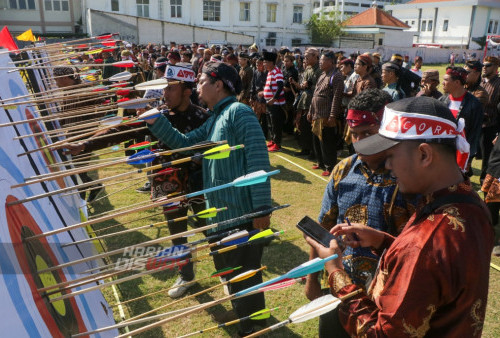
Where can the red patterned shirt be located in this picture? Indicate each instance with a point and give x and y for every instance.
(433, 278)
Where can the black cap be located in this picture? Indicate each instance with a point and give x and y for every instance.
(270, 56)
(474, 64)
(416, 105)
(225, 73)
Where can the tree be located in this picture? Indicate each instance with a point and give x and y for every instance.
(325, 27)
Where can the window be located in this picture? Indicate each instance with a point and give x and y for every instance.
(57, 5)
(429, 26)
(365, 5)
(176, 8)
(115, 5)
(142, 8)
(244, 11)
(492, 27)
(271, 13)
(380, 42)
(423, 26)
(445, 25)
(211, 10)
(412, 22)
(22, 4)
(271, 39)
(296, 42)
(297, 14)
(316, 4)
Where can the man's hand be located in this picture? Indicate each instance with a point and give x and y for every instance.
(313, 288)
(72, 148)
(359, 235)
(323, 252)
(334, 122)
(271, 101)
(262, 222)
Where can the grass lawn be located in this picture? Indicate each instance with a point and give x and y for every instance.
(303, 189)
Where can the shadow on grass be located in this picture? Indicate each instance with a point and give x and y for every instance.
(280, 257)
(288, 175)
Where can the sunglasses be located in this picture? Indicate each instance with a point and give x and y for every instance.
(487, 65)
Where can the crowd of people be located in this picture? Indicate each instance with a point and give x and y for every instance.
(418, 239)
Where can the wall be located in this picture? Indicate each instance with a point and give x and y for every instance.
(143, 30)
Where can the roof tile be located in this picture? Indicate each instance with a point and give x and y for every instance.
(375, 17)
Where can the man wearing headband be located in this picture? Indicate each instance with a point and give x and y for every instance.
(432, 279)
(361, 189)
(235, 123)
(429, 84)
(463, 104)
(491, 122)
(185, 116)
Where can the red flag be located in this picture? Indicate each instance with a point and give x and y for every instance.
(6, 39)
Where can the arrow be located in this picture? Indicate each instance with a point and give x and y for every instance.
(156, 265)
(118, 64)
(183, 312)
(306, 268)
(259, 315)
(187, 312)
(152, 242)
(314, 309)
(218, 273)
(44, 177)
(207, 213)
(220, 152)
(241, 277)
(157, 84)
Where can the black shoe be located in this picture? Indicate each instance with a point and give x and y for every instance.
(94, 192)
(145, 189)
(244, 334)
(302, 153)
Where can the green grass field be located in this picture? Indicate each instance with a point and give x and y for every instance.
(303, 189)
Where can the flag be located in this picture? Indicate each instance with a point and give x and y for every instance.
(6, 39)
(26, 36)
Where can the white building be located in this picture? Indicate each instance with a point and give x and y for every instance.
(43, 17)
(350, 7)
(449, 23)
(273, 23)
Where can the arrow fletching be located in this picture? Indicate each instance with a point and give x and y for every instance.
(123, 76)
(153, 84)
(141, 145)
(140, 158)
(150, 114)
(220, 152)
(261, 234)
(124, 64)
(253, 178)
(174, 252)
(209, 213)
(314, 309)
(262, 314)
(245, 275)
(111, 121)
(225, 271)
(134, 103)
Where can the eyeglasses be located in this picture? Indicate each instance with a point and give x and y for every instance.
(487, 65)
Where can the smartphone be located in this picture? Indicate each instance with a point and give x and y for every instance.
(312, 229)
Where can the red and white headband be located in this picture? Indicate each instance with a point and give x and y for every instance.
(403, 126)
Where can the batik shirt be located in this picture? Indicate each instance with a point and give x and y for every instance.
(364, 197)
(433, 278)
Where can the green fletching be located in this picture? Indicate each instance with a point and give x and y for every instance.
(224, 271)
(143, 146)
(208, 213)
(262, 314)
(218, 152)
(261, 234)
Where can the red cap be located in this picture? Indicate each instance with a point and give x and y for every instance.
(357, 118)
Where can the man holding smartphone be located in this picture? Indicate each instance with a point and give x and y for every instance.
(361, 189)
(433, 278)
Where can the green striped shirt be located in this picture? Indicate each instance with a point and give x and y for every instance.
(236, 123)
